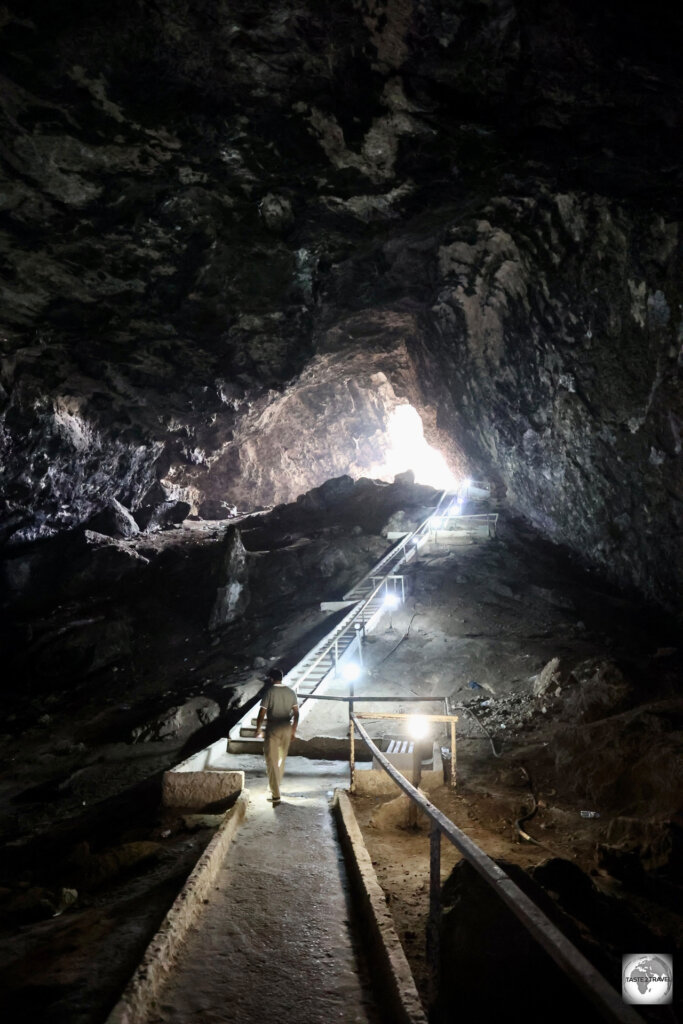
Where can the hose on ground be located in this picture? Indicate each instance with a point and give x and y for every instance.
(398, 644)
(463, 707)
(527, 817)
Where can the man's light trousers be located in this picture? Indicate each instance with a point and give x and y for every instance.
(276, 745)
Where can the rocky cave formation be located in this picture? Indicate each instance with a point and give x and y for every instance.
(239, 242)
(232, 235)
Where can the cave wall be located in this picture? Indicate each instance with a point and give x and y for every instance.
(233, 239)
(558, 317)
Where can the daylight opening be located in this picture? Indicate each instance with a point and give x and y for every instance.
(408, 449)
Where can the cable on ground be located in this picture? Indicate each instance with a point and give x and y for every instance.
(397, 645)
(463, 707)
(527, 817)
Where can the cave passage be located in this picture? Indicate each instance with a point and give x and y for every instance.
(257, 262)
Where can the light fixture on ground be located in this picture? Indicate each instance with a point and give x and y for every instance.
(360, 636)
(390, 603)
(351, 671)
(418, 727)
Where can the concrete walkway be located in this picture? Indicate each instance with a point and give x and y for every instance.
(274, 942)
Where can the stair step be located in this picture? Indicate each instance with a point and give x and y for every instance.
(250, 746)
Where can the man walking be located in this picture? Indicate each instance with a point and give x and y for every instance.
(280, 704)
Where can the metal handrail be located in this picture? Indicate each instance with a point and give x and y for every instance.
(399, 550)
(479, 485)
(329, 641)
(333, 638)
(549, 937)
(394, 556)
(474, 515)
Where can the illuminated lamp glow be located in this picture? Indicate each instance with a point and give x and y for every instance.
(391, 601)
(351, 671)
(418, 727)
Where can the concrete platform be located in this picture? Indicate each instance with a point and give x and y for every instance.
(203, 782)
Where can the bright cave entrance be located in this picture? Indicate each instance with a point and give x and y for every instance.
(408, 449)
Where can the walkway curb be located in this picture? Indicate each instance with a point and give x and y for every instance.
(390, 960)
(144, 987)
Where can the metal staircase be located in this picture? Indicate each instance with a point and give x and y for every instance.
(339, 653)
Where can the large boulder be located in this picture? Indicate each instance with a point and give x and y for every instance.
(547, 677)
(405, 522)
(162, 516)
(328, 494)
(332, 561)
(178, 723)
(114, 520)
(232, 595)
(216, 508)
(596, 688)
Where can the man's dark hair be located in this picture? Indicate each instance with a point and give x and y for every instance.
(275, 674)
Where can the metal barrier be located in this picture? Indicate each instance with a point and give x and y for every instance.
(401, 552)
(482, 522)
(346, 638)
(568, 958)
(367, 592)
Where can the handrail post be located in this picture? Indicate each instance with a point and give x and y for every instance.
(417, 776)
(434, 919)
(352, 751)
(452, 755)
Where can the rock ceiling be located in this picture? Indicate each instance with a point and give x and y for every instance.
(235, 236)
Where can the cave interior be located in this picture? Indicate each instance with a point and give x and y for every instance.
(273, 277)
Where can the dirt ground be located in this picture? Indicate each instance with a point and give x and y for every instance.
(490, 798)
